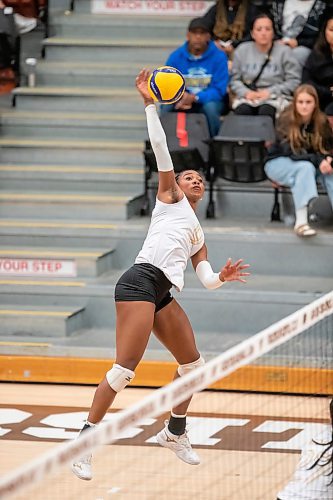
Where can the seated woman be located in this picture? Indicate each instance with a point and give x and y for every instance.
(318, 69)
(302, 154)
(264, 73)
(229, 23)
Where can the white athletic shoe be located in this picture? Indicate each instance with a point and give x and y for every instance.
(82, 468)
(24, 24)
(178, 444)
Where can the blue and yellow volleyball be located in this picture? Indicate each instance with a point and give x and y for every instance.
(166, 85)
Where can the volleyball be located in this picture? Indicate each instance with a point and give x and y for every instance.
(166, 85)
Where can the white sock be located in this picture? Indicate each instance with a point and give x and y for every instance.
(90, 423)
(177, 416)
(301, 216)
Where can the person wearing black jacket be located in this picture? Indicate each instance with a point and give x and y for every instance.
(302, 153)
(318, 69)
(8, 36)
(229, 22)
(297, 23)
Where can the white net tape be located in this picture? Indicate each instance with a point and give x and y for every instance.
(171, 395)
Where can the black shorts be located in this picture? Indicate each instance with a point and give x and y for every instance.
(144, 282)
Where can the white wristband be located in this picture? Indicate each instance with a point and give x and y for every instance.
(158, 140)
(206, 275)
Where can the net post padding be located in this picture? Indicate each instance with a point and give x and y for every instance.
(171, 395)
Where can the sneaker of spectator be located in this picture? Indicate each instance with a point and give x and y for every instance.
(27, 13)
(24, 24)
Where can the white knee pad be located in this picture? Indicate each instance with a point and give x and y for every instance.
(118, 377)
(183, 369)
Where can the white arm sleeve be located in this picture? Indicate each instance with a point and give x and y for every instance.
(158, 140)
(206, 275)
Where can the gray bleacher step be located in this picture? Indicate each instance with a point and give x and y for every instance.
(79, 99)
(238, 310)
(58, 233)
(272, 249)
(67, 205)
(80, 7)
(117, 26)
(210, 344)
(271, 282)
(54, 262)
(36, 320)
(153, 51)
(224, 310)
(71, 125)
(69, 152)
(71, 178)
(87, 73)
(234, 200)
(79, 344)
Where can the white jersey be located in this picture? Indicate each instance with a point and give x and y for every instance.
(312, 484)
(173, 237)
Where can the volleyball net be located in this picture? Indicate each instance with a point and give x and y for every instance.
(309, 328)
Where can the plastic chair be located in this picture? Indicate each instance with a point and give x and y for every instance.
(240, 161)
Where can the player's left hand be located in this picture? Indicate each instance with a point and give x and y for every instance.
(234, 272)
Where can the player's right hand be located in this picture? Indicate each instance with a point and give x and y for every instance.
(141, 83)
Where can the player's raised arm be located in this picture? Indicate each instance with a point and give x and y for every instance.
(168, 190)
(229, 272)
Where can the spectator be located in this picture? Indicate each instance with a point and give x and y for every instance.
(205, 69)
(297, 24)
(302, 154)
(27, 13)
(318, 69)
(229, 23)
(8, 45)
(7, 36)
(264, 73)
(313, 478)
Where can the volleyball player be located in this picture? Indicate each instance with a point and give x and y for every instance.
(313, 478)
(142, 294)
